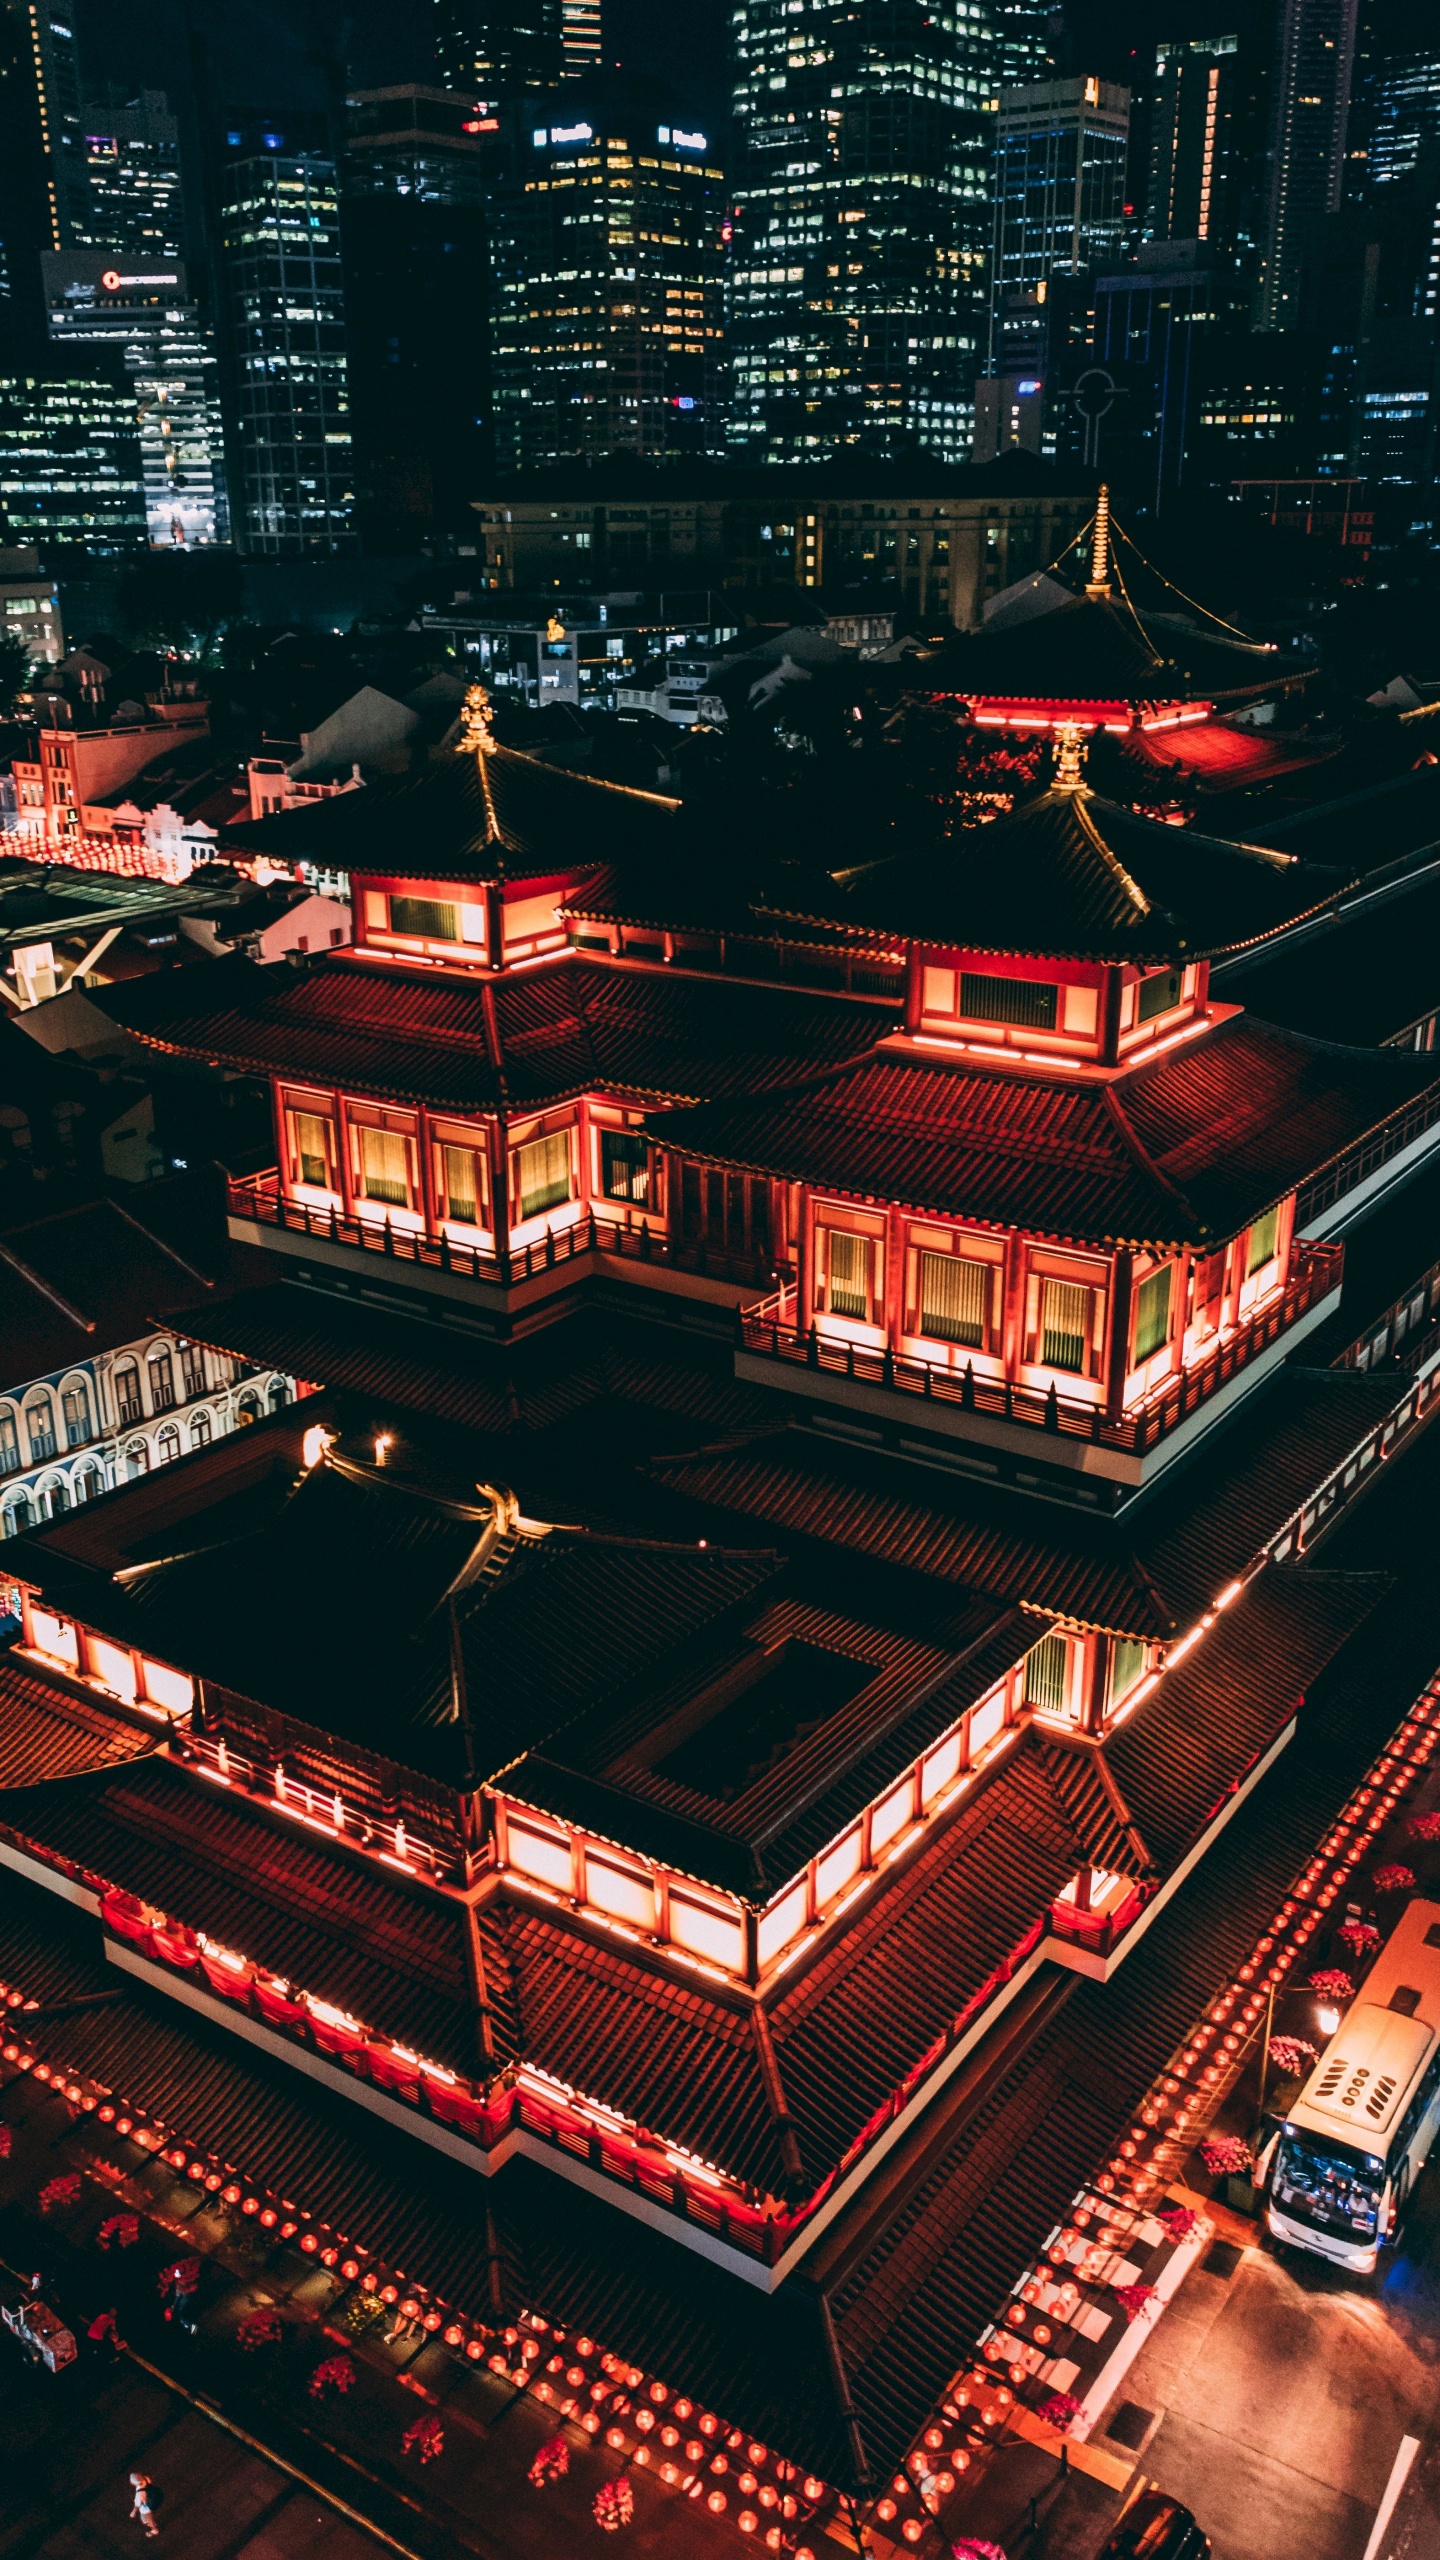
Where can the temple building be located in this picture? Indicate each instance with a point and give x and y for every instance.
(824, 1385)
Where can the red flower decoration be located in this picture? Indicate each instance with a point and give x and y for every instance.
(121, 2231)
(1332, 1984)
(1394, 1879)
(1226, 2156)
(337, 2373)
(5, 2141)
(1132, 2298)
(1291, 2055)
(1424, 1826)
(59, 2193)
(262, 2328)
(1060, 2410)
(1359, 1938)
(550, 2463)
(614, 2505)
(1178, 2219)
(426, 2437)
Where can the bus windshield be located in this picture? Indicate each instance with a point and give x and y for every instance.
(1327, 2185)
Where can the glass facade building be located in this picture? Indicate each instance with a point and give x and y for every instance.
(291, 478)
(133, 200)
(495, 49)
(70, 457)
(143, 311)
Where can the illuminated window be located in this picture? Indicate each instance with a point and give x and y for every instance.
(312, 1149)
(427, 918)
(385, 1167)
(1152, 1313)
(1023, 1001)
(9, 1444)
(127, 1392)
(624, 1165)
(1158, 994)
(849, 1271)
(200, 1430)
(1064, 1324)
(1263, 1238)
(954, 1299)
(40, 1425)
(77, 1417)
(1047, 1675)
(162, 1382)
(544, 1173)
(462, 1185)
(1127, 1665)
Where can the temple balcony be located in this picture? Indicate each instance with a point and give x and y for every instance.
(579, 1245)
(1051, 1426)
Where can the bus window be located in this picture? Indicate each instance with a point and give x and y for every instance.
(1328, 2187)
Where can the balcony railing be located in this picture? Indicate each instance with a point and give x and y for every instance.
(258, 1196)
(766, 1331)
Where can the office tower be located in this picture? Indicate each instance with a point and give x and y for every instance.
(70, 470)
(417, 302)
(1401, 114)
(1192, 170)
(861, 226)
(132, 167)
(609, 274)
(1059, 208)
(582, 39)
(495, 49)
(1309, 104)
(42, 170)
(282, 285)
(143, 311)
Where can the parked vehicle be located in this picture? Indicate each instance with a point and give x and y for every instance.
(41, 2332)
(1157, 2527)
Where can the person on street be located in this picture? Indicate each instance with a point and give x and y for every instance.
(104, 2330)
(140, 2483)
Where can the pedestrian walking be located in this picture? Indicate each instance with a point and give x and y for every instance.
(104, 2330)
(140, 2483)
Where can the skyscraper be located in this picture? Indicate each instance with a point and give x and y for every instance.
(1401, 111)
(495, 49)
(1192, 174)
(291, 480)
(142, 310)
(582, 38)
(132, 200)
(1059, 205)
(70, 468)
(861, 223)
(415, 236)
(42, 169)
(609, 281)
(1309, 105)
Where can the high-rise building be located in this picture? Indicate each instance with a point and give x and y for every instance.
(582, 39)
(417, 269)
(1401, 114)
(861, 225)
(132, 167)
(291, 478)
(1309, 106)
(1059, 210)
(70, 470)
(42, 167)
(143, 310)
(495, 49)
(609, 284)
(1192, 171)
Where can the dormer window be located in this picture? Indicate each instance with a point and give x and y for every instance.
(425, 918)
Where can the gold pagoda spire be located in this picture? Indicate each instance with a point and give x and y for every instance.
(1069, 773)
(1099, 581)
(476, 733)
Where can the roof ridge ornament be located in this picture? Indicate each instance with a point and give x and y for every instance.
(476, 732)
(1099, 579)
(1069, 773)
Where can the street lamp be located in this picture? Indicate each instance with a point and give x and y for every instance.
(1327, 2020)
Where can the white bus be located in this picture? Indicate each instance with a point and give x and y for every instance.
(1338, 2172)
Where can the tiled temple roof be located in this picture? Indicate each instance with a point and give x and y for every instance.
(1099, 649)
(1188, 1149)
(500, 816)
(571, 1026)
(46, 1733)
(1367, 977)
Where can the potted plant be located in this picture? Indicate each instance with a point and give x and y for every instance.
(1227, 2157)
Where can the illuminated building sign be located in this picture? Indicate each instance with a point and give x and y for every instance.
(680, 141)
(114, 282)
(563, 133)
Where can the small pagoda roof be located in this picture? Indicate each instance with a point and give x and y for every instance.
(1186, 1150)
(572, 1025)
(46, 1733)
(1071, 875)
(1097, 649)
(481, 815)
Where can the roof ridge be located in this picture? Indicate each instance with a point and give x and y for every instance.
(1078, 800)
(1144, 1158)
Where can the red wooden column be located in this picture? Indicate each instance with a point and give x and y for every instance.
(1118, 1357)
(1099, 1649)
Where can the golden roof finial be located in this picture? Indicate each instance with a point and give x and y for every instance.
(1100, 546)
(1069, 773)
(476, 733)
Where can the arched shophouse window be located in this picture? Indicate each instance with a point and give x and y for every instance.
(200, 1430)
(167, 1445)
(76, 1403)
(127, 1392)
(53, 1499)
(9, 1442)
(247, 1409)
(40, 1425)
(279, 1395)
(162, 1380)
(137, 1460)
(16, 1515)
(86, 1482)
